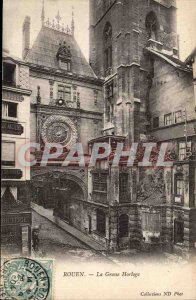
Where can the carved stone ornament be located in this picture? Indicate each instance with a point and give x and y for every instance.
(59, 129)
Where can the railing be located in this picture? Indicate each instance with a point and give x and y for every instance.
(58, 27)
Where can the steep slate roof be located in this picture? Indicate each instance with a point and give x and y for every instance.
(177, 63)
(45, 47)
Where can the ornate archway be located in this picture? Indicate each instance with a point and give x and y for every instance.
(47, 184)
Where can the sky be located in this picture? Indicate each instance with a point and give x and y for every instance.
(14, 12)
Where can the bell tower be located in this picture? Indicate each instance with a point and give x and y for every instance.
(121, 32)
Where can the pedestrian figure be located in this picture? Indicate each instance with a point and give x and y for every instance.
(35, 239)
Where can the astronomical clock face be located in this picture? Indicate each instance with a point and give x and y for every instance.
(59, 129)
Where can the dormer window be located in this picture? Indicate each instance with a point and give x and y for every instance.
(9, 74)
(64, 57)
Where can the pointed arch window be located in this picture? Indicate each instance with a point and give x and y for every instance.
(107, 41)
(152, 26)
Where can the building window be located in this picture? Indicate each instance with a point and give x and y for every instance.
(152, 26)
(107, 48)
(9, 71)
(179, 185)
(168, 119)
(100, 182)
(178, 231)
(9, 109)
(8, 153)
(178, 116)
(123, 187)
(64, 92)
(184, 149)
(155, 122)
(179, 188)
(123, 225)
(101, 222)
(108, 58)
(109, 102)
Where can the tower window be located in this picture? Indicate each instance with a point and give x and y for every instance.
(109, 102)
(152, 26)
(107, 41)
(123, 187)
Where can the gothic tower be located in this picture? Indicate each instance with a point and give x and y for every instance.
(121, 34)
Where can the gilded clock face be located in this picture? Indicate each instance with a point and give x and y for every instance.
(59, 129)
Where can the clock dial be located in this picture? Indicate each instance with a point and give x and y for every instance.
(59, 129)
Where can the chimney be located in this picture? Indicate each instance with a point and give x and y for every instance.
(26, 37)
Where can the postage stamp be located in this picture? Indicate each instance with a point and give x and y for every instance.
(25, 278)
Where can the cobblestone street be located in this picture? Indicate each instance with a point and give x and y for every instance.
(56, 243)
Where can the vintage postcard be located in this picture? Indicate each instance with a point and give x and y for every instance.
(98, 189)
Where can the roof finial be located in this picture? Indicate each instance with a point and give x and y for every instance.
(43, 13)
(72, 22)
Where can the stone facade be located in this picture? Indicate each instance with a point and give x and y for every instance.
(149, 95)
(134, 89)
(15, 193)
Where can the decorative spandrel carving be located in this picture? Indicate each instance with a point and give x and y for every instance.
(59, 129)
(152, 188)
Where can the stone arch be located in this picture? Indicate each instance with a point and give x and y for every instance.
(41, 178)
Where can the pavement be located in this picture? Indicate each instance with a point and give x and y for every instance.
(56, 243)
(83, 238)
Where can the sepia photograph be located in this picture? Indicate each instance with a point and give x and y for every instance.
(98, 143)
